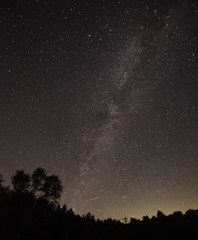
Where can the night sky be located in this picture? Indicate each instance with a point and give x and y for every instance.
(105, 95)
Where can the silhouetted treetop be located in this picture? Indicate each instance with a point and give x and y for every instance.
(1, 179)
(30, 210)
(38, 180)
(160, 214)
(21, 181)
(39, 184)
(52, 188)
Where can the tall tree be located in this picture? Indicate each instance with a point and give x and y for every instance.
(1, 183)
(1, 179)
(38, 179)
(52, 188)
(21, 181)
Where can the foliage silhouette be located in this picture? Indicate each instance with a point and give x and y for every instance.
(38, 179)
(21, 181)
(52, 188)
(31, 211)
(1, 180)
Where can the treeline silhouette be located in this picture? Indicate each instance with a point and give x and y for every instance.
(30, 210)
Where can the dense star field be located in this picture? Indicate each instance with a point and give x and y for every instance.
(105, 95)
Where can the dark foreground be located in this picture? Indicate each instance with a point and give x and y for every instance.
(30, 211)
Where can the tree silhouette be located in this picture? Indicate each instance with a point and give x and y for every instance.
(21, 181)
(125, 220)
(38, 179)
(2, 188)
(31, 211)
(1, 181)
(160, 214)
(52, 188)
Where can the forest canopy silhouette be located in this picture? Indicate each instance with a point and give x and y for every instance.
(30, 209)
